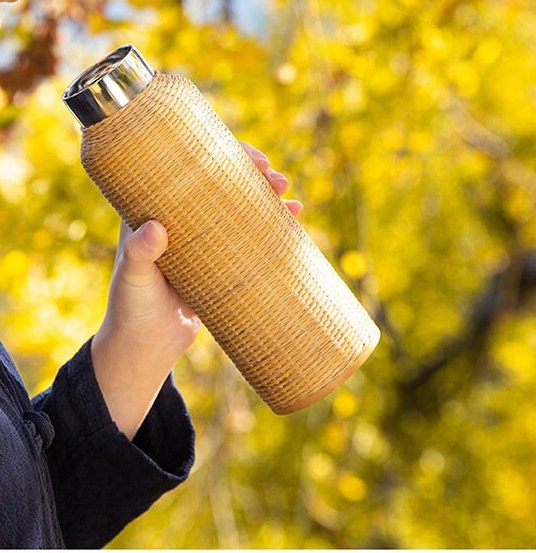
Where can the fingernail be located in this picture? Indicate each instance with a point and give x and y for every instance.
(150, 235)
(146, 233)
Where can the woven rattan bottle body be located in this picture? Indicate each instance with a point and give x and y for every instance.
(255, 278)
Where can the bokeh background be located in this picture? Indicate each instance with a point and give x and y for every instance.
(407, 128)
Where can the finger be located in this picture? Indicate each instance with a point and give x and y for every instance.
(294, 206)
(260, 159)
(146, 244)
(277, 180)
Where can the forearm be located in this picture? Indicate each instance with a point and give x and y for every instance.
(129, 378)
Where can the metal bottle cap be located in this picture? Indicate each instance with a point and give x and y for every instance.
(108, 85)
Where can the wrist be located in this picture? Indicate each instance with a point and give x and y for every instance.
(128, 380)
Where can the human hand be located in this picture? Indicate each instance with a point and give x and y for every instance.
(278, 181)
(148, 326)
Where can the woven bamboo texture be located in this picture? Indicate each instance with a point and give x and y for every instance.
(255, 278)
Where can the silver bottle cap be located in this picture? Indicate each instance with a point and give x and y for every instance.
(108, 85)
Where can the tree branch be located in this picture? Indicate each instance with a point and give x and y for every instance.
(507, 292)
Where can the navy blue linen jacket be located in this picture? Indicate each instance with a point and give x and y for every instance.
(68, 476)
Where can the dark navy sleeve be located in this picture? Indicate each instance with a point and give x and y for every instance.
(101, 479)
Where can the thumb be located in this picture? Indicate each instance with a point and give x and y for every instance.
(147, 243)
(141, 249)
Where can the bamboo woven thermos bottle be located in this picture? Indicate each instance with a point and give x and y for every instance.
(157, 150)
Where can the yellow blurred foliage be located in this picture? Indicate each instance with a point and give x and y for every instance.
(407, 130)
(354, 263)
